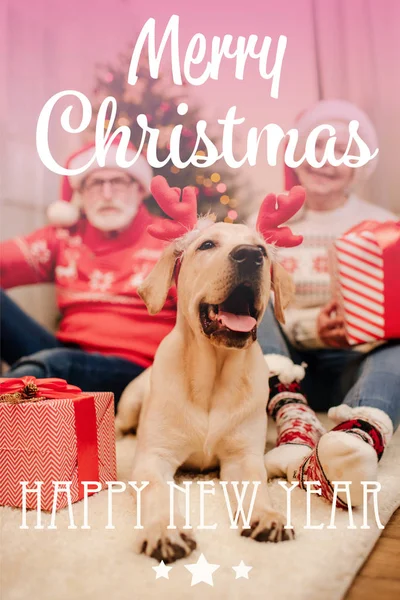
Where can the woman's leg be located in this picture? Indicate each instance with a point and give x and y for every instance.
(298, 428)
(378, 383)
(365, 421)
(92, 372)
(20, 334)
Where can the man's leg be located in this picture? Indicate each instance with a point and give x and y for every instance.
(92, 372)
(20, 335)
(298, 428)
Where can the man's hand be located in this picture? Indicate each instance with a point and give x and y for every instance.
(330, 327)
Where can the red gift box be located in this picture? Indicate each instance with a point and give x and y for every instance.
(367, 265)
(51, 431)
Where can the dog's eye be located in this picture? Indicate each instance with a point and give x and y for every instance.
(207, 245)
(263, 250)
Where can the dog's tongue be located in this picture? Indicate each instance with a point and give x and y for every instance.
(236, 322)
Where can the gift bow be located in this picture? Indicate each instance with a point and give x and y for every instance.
(15, 390)
(387, 233)
(29, 388)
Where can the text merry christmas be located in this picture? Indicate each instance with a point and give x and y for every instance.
(266, 142)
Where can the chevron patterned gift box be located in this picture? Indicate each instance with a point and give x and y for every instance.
(367, 267)
(51, 431)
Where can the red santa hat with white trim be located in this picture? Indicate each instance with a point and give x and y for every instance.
(334, 111)
(66, 211)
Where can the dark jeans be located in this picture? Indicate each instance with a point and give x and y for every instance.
(341, 376)
(31, 350)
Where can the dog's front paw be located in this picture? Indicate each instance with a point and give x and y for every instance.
(165, 544)
(268, 527)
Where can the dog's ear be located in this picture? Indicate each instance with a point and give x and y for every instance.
(154, 289)
(283, 288)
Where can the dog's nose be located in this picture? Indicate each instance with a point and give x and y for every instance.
(247, 256)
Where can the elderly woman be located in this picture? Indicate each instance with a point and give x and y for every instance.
(365, 380)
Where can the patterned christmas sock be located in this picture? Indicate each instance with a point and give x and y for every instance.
(349, 452)
(298, 427)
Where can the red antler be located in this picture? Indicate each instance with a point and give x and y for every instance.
(184, 214)
(273, 212)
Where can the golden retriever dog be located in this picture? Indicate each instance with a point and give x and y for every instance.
(204, 399)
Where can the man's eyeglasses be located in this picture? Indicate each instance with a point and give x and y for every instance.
(117, 184)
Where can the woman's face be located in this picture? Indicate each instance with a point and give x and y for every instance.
(327, 180)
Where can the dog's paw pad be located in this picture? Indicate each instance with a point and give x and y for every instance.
(157, 552)
(275, 532)
(248, 532)
(189, 541)
(170, 550)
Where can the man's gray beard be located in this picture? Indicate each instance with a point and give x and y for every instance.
(112, 223)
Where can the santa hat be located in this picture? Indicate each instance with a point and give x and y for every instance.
(332, 111)
(66, 211)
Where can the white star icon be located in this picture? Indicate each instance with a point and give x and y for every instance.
(162, 570)
(202, 571)
(242, 570)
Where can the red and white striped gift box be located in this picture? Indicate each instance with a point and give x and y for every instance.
(367, 264)
(67, 438)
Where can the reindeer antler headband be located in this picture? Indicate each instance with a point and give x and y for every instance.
(184, 214)
(273, 212)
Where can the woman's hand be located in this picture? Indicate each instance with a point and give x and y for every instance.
(330, 327)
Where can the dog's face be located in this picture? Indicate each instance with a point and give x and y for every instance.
(224, 283)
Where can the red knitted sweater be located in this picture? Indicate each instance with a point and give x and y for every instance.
(96, 277)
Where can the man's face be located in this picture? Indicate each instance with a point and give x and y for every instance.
(110, 199)
(327, 180)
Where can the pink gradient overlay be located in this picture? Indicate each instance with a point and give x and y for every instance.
(348, 51)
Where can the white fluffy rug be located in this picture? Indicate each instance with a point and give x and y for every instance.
(65, 564)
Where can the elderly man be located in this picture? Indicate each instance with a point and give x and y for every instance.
(97, 252)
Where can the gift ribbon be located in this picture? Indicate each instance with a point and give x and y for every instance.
(29, 389)
(387, 235)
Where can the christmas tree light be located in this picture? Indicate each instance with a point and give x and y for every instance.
(158, 99)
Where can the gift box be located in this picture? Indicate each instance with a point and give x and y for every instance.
(51, 431)
(367, 282)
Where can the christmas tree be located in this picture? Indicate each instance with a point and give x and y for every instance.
(217, 188)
